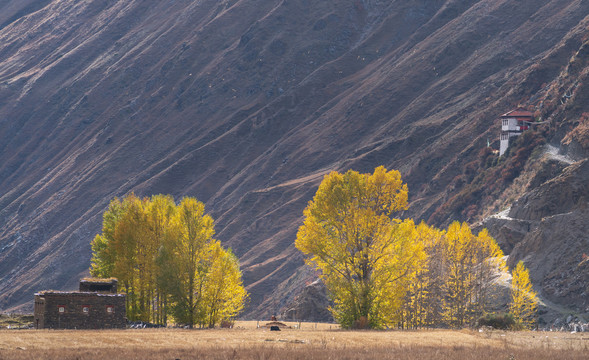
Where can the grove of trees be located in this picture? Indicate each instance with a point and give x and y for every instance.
(452, 286)
(167, 261)
(382, 271)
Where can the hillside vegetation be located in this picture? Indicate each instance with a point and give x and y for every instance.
(246, 105)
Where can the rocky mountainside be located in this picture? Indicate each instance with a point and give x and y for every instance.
(547, 228)
(310, 305)
(246, 104)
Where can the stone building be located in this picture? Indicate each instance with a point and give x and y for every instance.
(95, 306)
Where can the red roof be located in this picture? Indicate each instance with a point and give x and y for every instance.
(518, 113)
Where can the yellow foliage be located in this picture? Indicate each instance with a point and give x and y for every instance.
(471, 260)
(524, 300)
(224, 296)
(167, 261)
(382, 271)
(421, 307)
(367, 258)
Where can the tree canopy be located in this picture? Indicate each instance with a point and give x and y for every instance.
(167, 261)
(366, 256)
(382, 271)
(524, 300)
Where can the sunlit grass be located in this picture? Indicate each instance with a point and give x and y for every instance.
(312, 341)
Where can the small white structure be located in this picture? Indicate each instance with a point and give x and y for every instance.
(514, 123)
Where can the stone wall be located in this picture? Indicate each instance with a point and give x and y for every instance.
(79, 310)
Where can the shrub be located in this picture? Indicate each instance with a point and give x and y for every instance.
(227, 324)
(497, 321)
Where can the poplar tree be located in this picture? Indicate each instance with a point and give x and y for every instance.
(224, 296)
(366, 255)
(422, 306)
(524, 300)
(186, 260)
(471, 262)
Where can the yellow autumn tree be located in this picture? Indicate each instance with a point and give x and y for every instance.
(422, 306)
(186, 260)
(471, 262)
(489, 262)
(160, 211)
(367, 256)
(224, 296)
(459, 262)
(524, 300)
(115, 251)
(103, 251)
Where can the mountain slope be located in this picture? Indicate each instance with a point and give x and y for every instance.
(246, 104)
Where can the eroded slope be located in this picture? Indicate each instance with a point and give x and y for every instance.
(246, 105)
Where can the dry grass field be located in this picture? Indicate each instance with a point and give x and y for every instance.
(246, 341)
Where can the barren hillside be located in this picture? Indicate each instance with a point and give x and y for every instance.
(246, 104)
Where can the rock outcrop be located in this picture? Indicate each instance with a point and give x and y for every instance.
(567, 192)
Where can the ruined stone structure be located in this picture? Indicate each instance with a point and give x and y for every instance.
(95, 306)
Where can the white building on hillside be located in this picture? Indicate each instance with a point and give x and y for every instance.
(513, 124)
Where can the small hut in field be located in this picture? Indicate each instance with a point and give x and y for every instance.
(95, 306)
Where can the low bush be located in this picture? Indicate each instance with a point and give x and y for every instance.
(497, 321)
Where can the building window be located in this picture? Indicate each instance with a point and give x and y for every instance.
(110, 309)
(61, 309)
(505, 122)
(86, 309)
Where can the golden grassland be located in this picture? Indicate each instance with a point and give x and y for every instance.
(311, 341)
